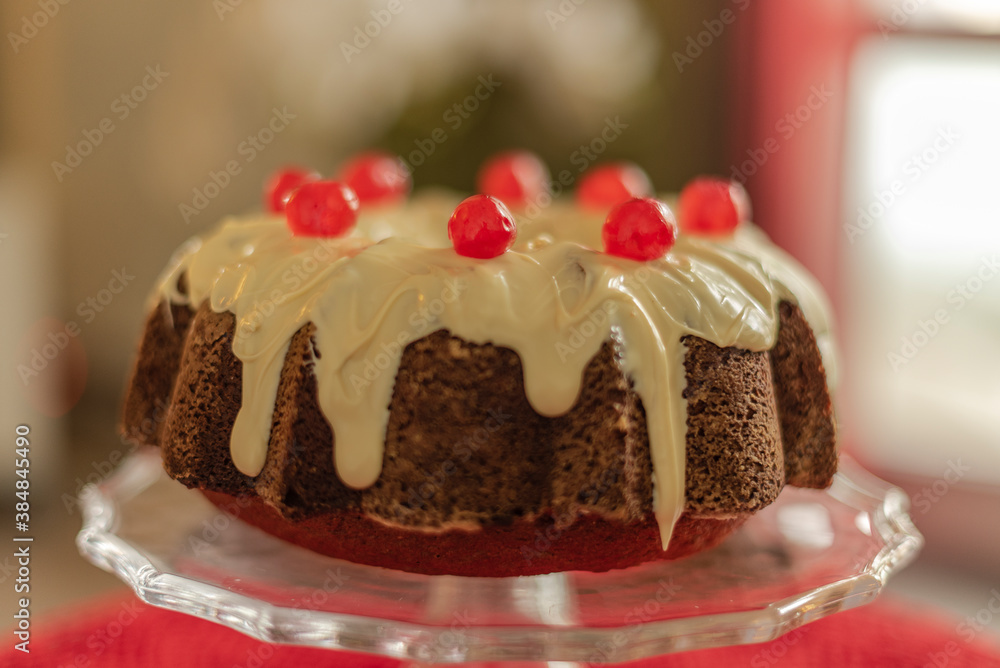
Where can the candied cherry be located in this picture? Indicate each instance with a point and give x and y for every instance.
(640, 229)
(482, 227)
(282, 184)
(322, 209)
(710, 205)
(608, 185)
(517, 178)
(376, 177)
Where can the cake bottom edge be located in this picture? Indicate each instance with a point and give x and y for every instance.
(525, 547)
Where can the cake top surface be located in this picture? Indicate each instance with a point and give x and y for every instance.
(555, 297)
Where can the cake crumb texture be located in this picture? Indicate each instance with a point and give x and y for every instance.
(464, 446)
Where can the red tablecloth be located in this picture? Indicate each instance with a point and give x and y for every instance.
(121, 631)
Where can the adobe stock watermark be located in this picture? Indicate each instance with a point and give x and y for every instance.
(592, 325)
(595, 321)
(102, 469)
(34, 22)
(121, 108)
(563, 11)
(224, 7)
(462, 450)
(454, 641)
(334, 582)
(212, 528)
(259, 656)
(777, 649)
(8, 568)
(696, 45)
(422, 321)
(587, 154)
(100, 641)
(925, 499)
(325, 252)
(968, 629)
(785, 129)
(364, 34)
(589, 496)
(248, 150)
(606, 651)
(901, 14)
(912, 171)
(454, 117)
(958, 298)
(582, 158)
(41, 356)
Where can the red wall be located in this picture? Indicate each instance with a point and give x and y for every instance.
(788, 54)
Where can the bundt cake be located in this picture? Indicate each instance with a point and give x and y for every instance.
(444, 387)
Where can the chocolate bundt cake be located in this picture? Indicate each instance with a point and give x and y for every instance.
(384, 395)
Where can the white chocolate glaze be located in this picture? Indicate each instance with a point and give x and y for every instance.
(554, 299)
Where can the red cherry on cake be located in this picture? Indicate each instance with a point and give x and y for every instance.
(608, 185)
(282, 184)
(712, 205)
(640, 229)
(517, 178)
(322, 209)
(482, 227)
(376, 177)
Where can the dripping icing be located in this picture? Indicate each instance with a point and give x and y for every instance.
(395, 280)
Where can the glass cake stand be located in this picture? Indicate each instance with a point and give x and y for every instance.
(807, 556)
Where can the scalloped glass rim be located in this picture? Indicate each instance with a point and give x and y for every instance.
(809, 555)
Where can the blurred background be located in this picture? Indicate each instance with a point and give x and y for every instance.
(865, 131)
